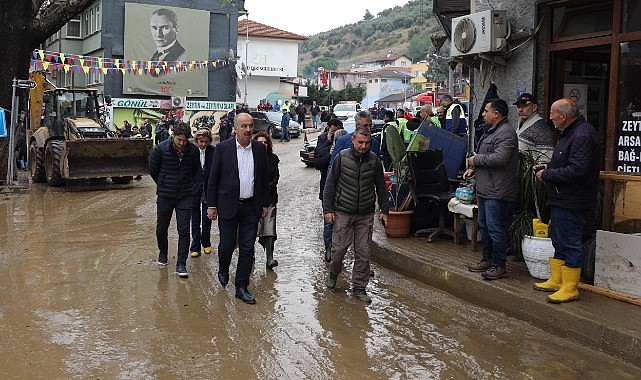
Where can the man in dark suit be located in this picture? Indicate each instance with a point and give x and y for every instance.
(163, 24)
(238, 196)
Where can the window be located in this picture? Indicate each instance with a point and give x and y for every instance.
(376, 80)
(631, 16)
(98, 19)
(86, 25)
(73, 27)
(94, 78)
(629, 108)
(92, 21)
(589, 17)
(383, 80)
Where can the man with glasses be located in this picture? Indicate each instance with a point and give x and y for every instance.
(362, 119)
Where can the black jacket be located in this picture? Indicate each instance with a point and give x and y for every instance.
(572, 176)
(274, 175)
(174, 176)
(201, 179)
(321, 159)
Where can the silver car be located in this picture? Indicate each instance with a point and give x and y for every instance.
(269, 122)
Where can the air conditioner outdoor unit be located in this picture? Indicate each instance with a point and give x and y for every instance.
(178, 101)
(482, 32)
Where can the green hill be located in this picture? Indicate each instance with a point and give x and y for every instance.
(402, 30)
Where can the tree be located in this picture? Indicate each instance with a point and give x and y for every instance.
(24, 24)
(328, 62)
(368, 15)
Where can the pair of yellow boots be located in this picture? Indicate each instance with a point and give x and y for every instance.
(563, 281)
(206, 249)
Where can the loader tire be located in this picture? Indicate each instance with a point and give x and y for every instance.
(122, 180)
(37, 163)
(53, 153)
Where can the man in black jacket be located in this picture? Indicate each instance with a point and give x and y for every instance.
(322, 155)
(172, 165)
(572, 181)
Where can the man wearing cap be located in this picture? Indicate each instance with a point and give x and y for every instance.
(455, 121)
(533, 132)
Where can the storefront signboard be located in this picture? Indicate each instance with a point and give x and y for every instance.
(629, 145)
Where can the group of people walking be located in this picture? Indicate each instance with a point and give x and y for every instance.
(233, 183)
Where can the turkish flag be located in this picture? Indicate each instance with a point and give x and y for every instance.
(324, 80)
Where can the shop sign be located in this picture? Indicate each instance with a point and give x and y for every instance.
(135, 103)
(210, 106)
(629, 147)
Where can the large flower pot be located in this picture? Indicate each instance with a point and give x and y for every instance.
(398, 223)
(536, 252)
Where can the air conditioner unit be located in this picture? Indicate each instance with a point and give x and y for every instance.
(178, 101)
(482, 32)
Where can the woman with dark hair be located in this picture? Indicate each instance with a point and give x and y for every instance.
(267, 225)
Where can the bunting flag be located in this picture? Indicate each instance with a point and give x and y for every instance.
(56, 61)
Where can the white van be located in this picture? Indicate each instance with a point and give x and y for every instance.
(346, 111)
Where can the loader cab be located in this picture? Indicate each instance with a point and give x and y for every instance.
(77, 110)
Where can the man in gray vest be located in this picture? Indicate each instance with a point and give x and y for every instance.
(354, 183)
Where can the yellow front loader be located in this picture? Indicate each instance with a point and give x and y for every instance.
(67, 140)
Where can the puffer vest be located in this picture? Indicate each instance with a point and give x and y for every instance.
(355, 193)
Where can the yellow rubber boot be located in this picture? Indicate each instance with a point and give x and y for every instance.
(554, 282)
(569, 286)
(207, 250)
(195, 254)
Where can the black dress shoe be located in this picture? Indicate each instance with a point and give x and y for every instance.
(223, 278)
(245, 296)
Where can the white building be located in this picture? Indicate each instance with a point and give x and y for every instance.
(269, 55)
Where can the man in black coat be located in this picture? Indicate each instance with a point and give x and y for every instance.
(172, 165)
(238, 196)
(322, 156)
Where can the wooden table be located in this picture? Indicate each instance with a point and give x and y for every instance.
(459, 212)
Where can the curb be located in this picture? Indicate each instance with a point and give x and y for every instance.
(619, 339)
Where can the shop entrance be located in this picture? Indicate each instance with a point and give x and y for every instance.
(583, 76)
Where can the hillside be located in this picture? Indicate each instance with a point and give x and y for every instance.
(402, 29)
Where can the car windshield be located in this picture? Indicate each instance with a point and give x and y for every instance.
(274, 116)
(345, 107)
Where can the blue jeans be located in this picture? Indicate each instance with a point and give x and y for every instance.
(284, 134)
(566, 232)
(494, 219)
(243, 225)
(166, 207)
(199, 235)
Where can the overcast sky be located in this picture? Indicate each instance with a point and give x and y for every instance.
(311, 17)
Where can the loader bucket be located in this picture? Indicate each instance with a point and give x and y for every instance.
(94, 158)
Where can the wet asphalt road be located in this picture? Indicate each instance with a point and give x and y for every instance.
(82, 297)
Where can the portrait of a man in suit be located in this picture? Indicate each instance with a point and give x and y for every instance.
(163, 24)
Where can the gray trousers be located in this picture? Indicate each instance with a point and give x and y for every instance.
(356, 228)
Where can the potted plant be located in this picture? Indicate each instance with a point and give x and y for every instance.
(399, 218)
(536, 247)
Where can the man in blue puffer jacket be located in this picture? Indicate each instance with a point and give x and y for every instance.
(173, 165)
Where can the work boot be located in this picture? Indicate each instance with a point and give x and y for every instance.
(554, 282)
(360, 293)
(331, 280)
(481, 266)
(569, 286)
(195, 254)
(494, 273)
(269, 249)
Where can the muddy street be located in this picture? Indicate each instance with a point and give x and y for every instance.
(82, 297)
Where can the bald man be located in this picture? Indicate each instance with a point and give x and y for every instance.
(572, 181)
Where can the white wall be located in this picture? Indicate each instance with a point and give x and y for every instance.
(257, 88)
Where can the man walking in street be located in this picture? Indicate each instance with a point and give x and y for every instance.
(495, 167)
(362, 119)
(572, 181)
(315, 114)
(284, 126)
(354, 183)
(173, 165)
(238, 196)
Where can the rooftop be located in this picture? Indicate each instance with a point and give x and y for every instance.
(256, 29)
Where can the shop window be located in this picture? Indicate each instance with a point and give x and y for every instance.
(590, 18)
(628, 155)
(631, 16)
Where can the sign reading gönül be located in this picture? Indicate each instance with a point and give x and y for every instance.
(629, 147)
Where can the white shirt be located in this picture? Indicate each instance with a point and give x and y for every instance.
(202, 158)
(245, 170)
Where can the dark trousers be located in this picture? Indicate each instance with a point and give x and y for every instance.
(566, 232)
(200, 226)
(243, 225)
(165, 208)
(494, 220)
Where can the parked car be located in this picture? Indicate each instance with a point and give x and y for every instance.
(347, 110)
(269, 121)
(307, 152)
